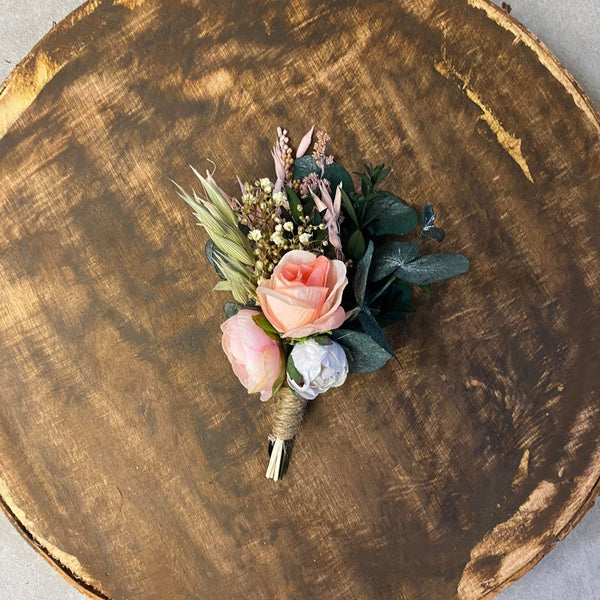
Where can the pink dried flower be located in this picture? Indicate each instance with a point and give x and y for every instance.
(319, 151)
(331, 219)
(311, 183)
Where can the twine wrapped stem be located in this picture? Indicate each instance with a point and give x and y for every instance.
(289, 411)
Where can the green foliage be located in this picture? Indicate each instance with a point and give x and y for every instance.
(264, 324)
(373, 329)
(364, 355)
(391, 256)
(432, 268)
(293, 373)
(427, 221)
(281, 377)
(388, 215)
(232, 308)
(296, 210)
(356, 245)
(386, 269)
(361, 274)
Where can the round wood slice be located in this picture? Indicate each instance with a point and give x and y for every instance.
(129, 453)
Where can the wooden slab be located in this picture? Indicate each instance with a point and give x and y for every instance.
(129, 454)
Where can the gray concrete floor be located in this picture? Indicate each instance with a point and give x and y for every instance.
(572, 571)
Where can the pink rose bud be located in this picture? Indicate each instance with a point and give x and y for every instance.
(304, 294)
(255, 357)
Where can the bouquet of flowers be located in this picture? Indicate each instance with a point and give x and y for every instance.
(317, 269)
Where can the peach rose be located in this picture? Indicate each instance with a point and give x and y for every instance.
(255, 357)
(304, 294)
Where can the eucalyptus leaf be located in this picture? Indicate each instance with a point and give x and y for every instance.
(433, 267)
(373, 330)
(389, 215)
(364, 355)
(428, 217)
(304, 166)
(361, 273)
(391, 256)
(232, 308)
(336, 174)
(434, 233)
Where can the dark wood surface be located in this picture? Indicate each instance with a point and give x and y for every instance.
(131, 456)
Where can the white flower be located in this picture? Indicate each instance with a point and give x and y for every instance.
(305, 238)
(277, 238)
(288, 226)
(280, 198)
(320, 367)
(255, 235)
(266, 185)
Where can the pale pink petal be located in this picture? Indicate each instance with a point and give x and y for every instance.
(305, 143)
(284, 312)
(337, 202)
(301, 257)
(325, 196)
(319, 273)
(332, 321)
(336, 282)
(318, 203)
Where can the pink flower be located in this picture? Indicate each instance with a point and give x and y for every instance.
(304, 294)
(255, 357)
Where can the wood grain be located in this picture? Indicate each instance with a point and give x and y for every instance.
(129, 454)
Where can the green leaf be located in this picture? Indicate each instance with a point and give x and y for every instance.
(366, 185)
(361, 274)
(391, 256)
(373, 329)
(433, 267)
(380, 173)
(295, 204)
(389, 215)
(304, 166)
(428, 217)
(434, 233)
(264, 324)
(232, 308)
(293, 373)
(364, 355)
(356, 245)
(349, 207)
(281, 377)
(334, 173)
